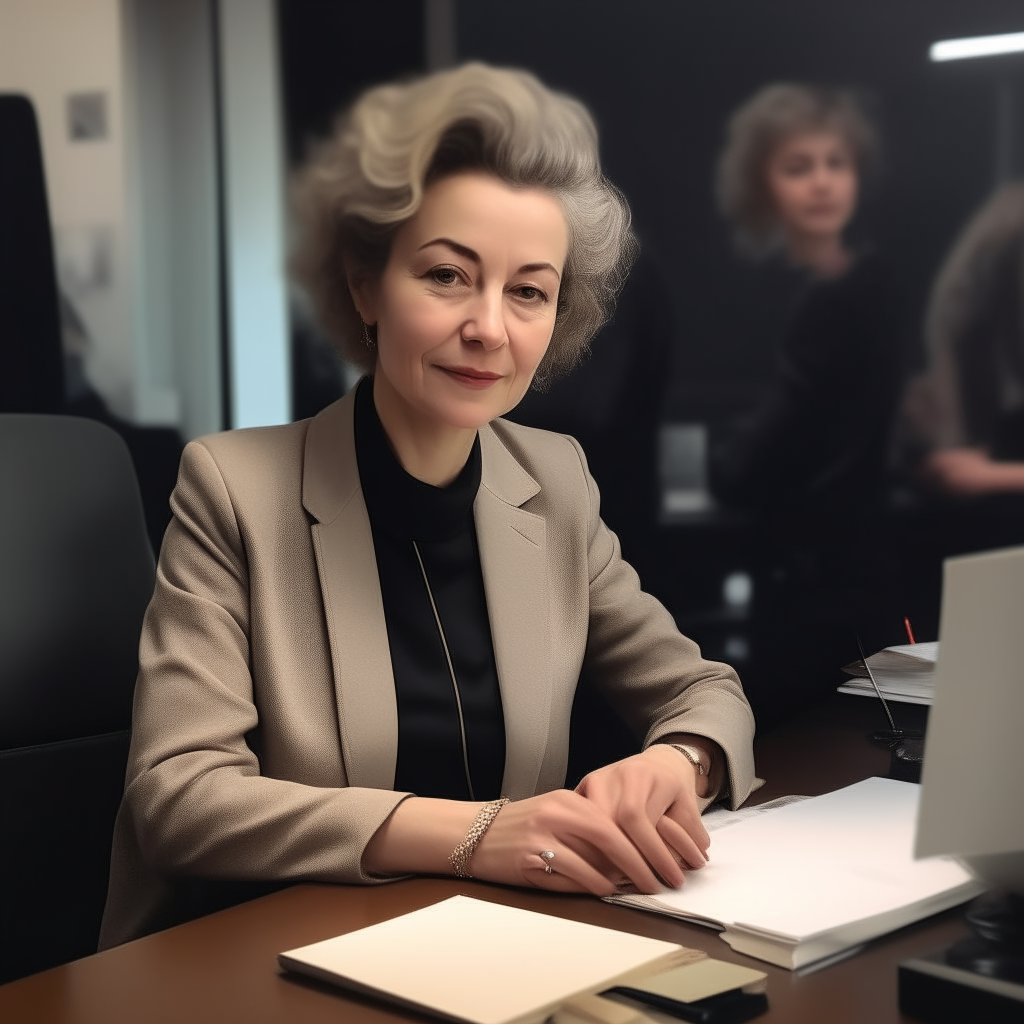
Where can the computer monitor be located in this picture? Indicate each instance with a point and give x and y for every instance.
(972, 805)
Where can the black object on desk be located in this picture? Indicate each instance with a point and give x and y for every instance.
(732, 1007)
(907, 748)
(979, 978)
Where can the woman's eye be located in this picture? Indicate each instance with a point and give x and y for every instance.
(445, 276)
(530, 294)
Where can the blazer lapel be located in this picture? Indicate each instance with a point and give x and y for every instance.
(514, 563)
(363, 680)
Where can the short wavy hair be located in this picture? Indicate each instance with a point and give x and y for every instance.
(772, 115)
(368, 178)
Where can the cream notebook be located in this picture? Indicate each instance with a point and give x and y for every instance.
(484, 963)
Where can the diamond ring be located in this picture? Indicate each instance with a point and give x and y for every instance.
(547, 856)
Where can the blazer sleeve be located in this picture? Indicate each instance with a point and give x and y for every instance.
(195, 793)
(653, 675)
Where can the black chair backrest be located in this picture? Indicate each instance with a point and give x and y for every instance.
(76, 573)
(31, 360)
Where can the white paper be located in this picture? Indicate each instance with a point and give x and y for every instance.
(817, 865)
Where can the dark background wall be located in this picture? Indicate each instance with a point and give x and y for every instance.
(333, 49)
(662, 76)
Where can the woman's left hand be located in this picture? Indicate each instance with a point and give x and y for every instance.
(652, 797)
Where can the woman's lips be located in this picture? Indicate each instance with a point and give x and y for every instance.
(471, 378)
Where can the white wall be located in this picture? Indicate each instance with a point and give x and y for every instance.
(173, 207)
(49, 49)
(136, 214)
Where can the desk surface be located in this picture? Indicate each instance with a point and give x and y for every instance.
(223, 968)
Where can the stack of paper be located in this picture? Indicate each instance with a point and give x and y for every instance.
(904, 673)
(483, 963)
(813, 879)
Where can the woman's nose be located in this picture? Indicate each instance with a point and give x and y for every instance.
(486, 324)
(821, 179)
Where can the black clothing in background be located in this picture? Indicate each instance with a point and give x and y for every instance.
(821, 434)
(612, 404)
(402, 510)
(809, 465)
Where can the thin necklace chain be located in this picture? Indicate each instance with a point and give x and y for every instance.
(451, 670)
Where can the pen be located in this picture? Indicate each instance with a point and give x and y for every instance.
(910, 632)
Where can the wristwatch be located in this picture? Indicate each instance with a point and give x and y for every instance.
(694, 756)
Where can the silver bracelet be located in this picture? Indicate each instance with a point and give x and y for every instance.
(463, 853)
(693, 756)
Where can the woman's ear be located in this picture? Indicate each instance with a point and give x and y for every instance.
(361, 288)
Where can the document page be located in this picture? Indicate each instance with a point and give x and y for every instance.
(817, 865)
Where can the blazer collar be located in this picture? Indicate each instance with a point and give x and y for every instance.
(513, 559)
(331, 475)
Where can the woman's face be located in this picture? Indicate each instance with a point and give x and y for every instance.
(466, 304)
(812, 180)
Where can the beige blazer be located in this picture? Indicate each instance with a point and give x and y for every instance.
(265, 729)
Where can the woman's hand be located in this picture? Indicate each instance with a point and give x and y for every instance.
(652, 798)
(971, 472)
(591, 851)
(626, 824)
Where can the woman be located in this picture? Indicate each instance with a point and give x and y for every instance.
(809, 460)
(967, 410)
(788, 182)
(368, 626)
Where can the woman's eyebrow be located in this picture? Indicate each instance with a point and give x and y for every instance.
(462, 250)
(529, 268)
(472, 254)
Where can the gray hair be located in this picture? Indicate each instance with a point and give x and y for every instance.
(772, 115)
(368, 178)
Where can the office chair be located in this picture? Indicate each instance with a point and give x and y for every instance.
(31, 367)
(76, 573)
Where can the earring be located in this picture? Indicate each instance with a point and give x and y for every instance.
(367, 340)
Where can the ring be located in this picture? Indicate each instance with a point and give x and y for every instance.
(547, 856)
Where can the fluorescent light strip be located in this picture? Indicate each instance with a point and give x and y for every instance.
(977, 46)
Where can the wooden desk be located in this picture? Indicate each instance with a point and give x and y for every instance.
(223, 968)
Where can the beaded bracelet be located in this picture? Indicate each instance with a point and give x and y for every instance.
(463, 853)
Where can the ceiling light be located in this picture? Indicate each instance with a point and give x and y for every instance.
(977, 46)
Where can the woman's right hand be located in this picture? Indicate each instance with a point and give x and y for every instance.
(592, 854)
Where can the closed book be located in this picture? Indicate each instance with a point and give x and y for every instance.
(814, 879)
(478, 962)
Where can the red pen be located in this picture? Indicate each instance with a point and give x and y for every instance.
(910, 632)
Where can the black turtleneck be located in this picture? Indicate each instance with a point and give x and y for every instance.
(404, 510)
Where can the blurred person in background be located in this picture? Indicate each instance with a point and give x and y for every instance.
(809, 462)
(967, 411)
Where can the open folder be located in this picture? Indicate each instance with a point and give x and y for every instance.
(813, 879)
(478, 962)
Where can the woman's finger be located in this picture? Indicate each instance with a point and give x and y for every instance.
(687, 816)
(647, 839)
(560, 819)
(682, 843)
(569, 873)
(596, 828)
